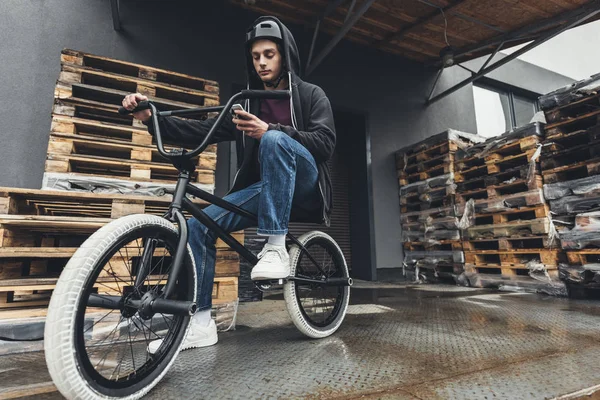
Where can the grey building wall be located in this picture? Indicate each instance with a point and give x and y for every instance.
(205, 39)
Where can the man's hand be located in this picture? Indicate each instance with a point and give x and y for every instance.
(131, 101)
(250, 124)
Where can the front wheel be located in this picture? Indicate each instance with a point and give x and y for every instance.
(94, 352)
(317, 310)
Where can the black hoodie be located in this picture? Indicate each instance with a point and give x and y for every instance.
(312, 118)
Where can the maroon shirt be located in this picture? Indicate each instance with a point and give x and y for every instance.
(272, 111)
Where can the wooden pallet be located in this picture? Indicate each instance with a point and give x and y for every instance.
(582, 257)
(437, 235)
(516, 270)
(430, 196)
(534, 227)
(63, 203)
(133, 170)
(427, 215)
(446, 201)
(508, 151)
(582, 122)
(125, 68)
(512, 215)
(79, 128)
(573, 110)
(79, 145)
(36, 292)
(509, 164)
(569, 156)
(509, 243)
(72, 73)
(505, 203)
(432, 224)
(561, 141)
(439, 170)
(481, 182)
(509, 258)
(498, 191)
(583, 169)
(419, 154)
(426, 165)
(442, 245)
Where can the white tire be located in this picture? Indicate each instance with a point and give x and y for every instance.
(60, 329)
(294, 306)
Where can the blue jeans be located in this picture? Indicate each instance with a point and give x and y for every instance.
(289, 179)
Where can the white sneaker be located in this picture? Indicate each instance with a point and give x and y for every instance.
(274, 263)
(197, 336)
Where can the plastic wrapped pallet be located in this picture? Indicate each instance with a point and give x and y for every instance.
(570, 93)
(586, 232)
(483, 149)
(583, 186)
(462, 139)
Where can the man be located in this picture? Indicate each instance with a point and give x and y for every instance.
(282, 150)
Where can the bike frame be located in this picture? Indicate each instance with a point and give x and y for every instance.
(181, 159)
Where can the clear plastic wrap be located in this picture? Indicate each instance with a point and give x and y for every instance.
(587, 274)
(532, 169)
(570, 93)
(226, 315)
(428, 184)
(483, 149)
(441, 234)
(536, 227)
(538, 270)
(586, 232)
(583, 186)
(462, 140)
(434, 257)
(523, 199)
(468, 215)
(573, 205)
(95, 184)
(423, 216)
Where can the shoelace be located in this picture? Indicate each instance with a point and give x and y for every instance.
(269, 252)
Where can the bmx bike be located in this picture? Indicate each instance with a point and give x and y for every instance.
(134, 281)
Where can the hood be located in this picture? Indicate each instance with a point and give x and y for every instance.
(290, 54)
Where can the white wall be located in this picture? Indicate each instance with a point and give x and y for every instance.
(573, 53)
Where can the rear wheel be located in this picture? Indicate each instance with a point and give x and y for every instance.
(94, 352)
(317, 310)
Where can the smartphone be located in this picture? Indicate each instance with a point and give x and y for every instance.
(236, 107)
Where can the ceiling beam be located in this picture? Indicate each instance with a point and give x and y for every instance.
(519, 33)
(584, 13)
(463, 16)
(419, 22)
(342, 32)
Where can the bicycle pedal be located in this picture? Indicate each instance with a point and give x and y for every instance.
(269, 284)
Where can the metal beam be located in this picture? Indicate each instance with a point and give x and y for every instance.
(114, 7)
(465, 17)
(518, 34)
(331, 6)
(342, 32)
(585, 14)
(419, 22)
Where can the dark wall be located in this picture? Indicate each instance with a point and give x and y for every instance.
(204, 38)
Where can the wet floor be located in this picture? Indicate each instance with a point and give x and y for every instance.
(424, 342)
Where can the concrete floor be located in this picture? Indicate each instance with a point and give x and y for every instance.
(398, 342)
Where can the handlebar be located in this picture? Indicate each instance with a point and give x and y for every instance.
(243, 95)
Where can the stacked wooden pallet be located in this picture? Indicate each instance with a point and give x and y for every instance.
(571, 170)
(94, 154)
(430, 233)
(90, 141)
(507, 233)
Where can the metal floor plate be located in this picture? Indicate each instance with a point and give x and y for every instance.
(396, 343)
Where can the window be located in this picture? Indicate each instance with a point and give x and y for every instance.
(498, 111)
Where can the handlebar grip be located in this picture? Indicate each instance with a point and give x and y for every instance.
(142, 105)
(265, 94)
